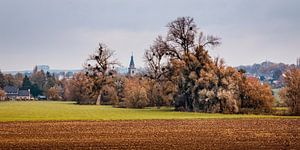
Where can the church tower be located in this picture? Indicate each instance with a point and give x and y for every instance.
(131, 69)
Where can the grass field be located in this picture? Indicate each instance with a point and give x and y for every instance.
(56, 110)
(65, 125)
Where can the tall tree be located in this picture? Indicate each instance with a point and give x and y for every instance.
(182, 59)
(100, 67)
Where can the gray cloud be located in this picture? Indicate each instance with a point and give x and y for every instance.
(62, 33)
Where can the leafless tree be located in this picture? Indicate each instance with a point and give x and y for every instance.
(100, 67)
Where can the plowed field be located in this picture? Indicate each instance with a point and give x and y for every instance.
(153, 134)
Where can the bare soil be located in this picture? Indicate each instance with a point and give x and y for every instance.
(152, 134)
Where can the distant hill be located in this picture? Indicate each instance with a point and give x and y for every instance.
(266, 69)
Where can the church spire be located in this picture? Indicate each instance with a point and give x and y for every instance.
(131, 65)
(131, 69)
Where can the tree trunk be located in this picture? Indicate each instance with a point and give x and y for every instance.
(98, 102)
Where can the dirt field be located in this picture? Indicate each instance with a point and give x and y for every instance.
(153, 134)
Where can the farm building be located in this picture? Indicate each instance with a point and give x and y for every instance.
(14, 93)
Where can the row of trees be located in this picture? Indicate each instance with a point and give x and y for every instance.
(180, 72)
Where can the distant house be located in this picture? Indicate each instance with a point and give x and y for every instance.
(24, 94)
(13, 92)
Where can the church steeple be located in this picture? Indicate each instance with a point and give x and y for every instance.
(131, 65)
(131, 69)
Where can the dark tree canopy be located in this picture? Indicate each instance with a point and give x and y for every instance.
(26, 83)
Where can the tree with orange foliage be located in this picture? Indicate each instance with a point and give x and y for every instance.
(291, 92)
(54, 93)
(255, 96)
(80, 89)
(135, 90)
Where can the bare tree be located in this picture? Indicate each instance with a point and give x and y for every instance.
(100, 67)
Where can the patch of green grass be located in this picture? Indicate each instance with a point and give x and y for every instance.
(56, 110)
(280, 108)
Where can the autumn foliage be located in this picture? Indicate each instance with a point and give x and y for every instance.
(80, 89)
(136, 93)
(180, 72)
(291, 92)
(255, 96)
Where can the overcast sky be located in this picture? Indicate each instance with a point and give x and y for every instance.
(62, 33)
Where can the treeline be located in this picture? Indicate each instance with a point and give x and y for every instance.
(179, 72)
